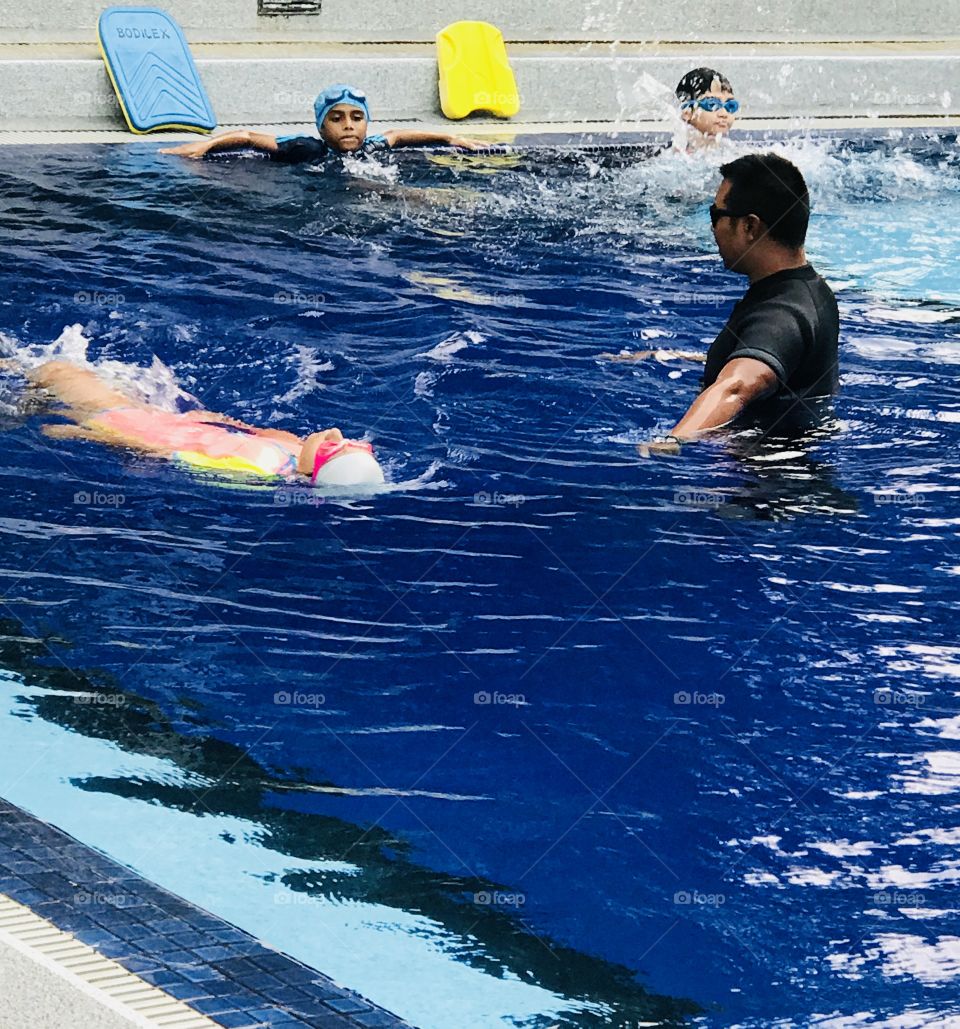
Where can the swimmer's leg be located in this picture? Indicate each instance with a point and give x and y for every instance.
(72, 432)
(81, 390)
(101, 434)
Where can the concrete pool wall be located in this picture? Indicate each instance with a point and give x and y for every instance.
(598, 63)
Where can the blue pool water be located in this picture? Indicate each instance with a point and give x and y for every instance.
(541, 734)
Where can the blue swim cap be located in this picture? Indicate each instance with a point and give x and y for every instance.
(339, 94)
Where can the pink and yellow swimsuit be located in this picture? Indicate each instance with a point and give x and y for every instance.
(214, 445)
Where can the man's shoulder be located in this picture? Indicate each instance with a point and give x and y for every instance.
(793, 288)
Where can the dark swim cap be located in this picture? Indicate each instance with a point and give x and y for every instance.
(699, 81)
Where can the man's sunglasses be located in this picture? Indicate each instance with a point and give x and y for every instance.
(712, 103)
(716, 213)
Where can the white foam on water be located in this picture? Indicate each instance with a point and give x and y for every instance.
(156, 384)
(309, 367)
(911, 315)
(445, 349)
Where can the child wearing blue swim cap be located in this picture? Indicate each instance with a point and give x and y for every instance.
(342, 116)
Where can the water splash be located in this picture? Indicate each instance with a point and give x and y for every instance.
(156, 384)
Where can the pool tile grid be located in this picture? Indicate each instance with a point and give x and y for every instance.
(209, 964)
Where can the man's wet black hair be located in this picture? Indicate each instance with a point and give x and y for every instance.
(699, 81)
(772, 188)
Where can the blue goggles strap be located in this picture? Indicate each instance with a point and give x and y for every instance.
(339, 94)
(334, 94)
(712, 103)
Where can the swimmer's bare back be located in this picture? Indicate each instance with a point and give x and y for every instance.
(658, 355)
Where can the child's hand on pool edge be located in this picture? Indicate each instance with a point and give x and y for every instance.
(192, 150)
(241, 138)
(418, 137)
(467, 143)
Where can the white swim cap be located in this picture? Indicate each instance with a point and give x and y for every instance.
(351, 468)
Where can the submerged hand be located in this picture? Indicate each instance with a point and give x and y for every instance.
(660, 355)
(668, 446)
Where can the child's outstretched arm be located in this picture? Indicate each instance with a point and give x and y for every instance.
(416, 137)
(255, 430)
(225, 141)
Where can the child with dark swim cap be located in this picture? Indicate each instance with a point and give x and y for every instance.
(342, 116)
(707, 105)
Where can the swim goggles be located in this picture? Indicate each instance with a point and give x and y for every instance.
(329, 449)
(712, 103)
(339, 94)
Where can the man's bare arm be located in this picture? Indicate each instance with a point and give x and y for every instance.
(739, 383)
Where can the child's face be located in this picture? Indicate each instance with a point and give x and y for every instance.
(711, 123)
(344, 128)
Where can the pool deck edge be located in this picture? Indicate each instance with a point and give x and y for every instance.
(161, 941)
(528, 133)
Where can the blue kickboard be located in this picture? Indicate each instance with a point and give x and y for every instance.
(152, 70)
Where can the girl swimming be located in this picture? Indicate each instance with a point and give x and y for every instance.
(199, 438)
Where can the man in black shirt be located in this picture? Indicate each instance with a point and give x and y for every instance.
(780, 341)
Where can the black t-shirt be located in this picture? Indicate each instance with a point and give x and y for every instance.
(298, 149)
(789, 321)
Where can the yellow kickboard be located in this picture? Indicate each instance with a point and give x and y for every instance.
(475, 74)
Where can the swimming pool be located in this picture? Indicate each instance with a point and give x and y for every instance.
(543, 734)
